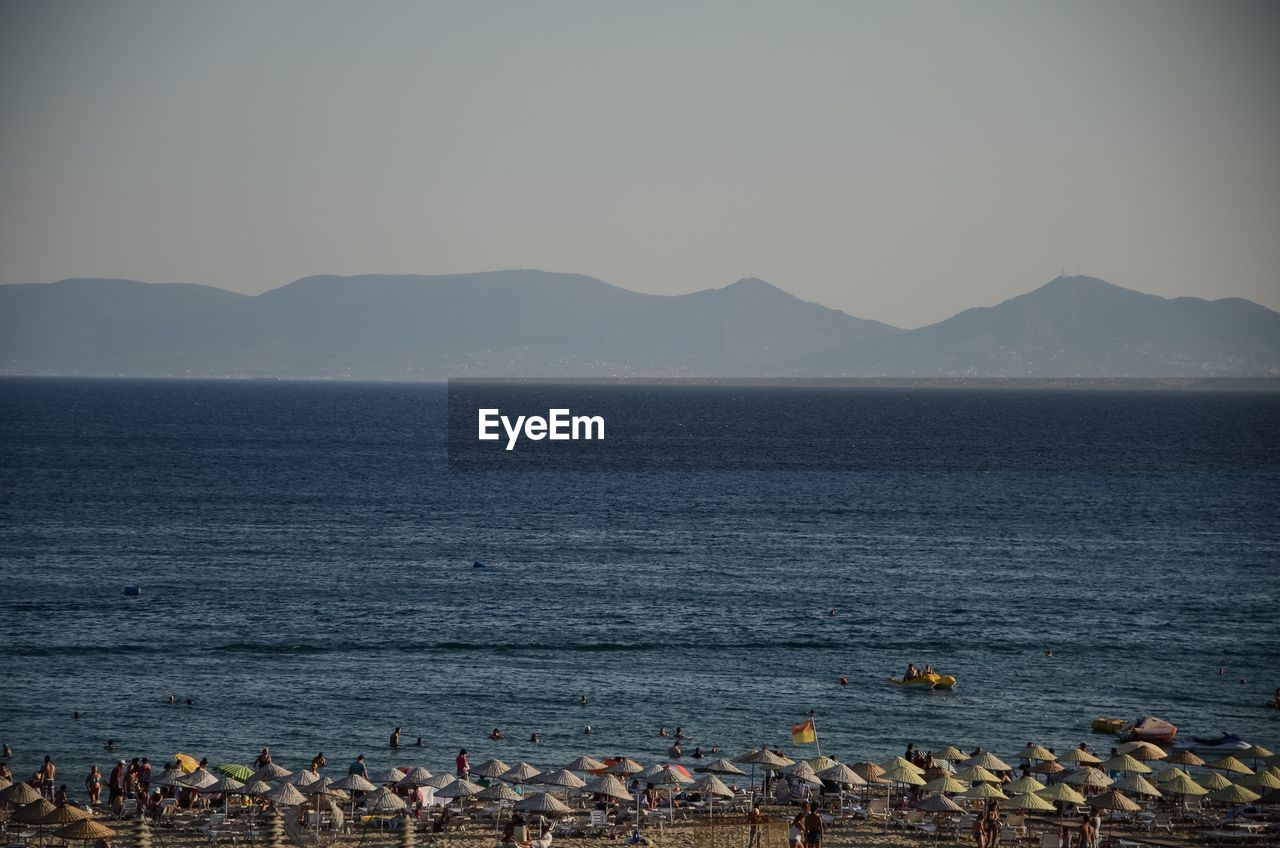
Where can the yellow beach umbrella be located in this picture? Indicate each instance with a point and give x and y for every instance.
(973, 774)
(951, 754)
(902, 774)
(1165, 776)
(1028, 801)
(946, 783)
(1231, 764)
(1078, 755)
(1124, 762)
(1136, 784)
(870, 772)
(1185, 758)
(1143, 751)
(989, 761)
(899, 762)
(85, 829)
(1261, 780)
(983, 791)
(1215, 781)
(187, 762)
(1061, 792)
(1037, 752)
(1256, 752)
(1088, 776)
(1182, 785)
(821, 763)
(1234, 794)
(1023, 785)
(1113, 800)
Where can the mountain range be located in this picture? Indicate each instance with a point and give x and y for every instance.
(539, 324)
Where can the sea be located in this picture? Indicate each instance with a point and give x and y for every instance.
(312, 572)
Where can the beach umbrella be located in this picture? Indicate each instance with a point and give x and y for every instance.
(1255, 753)
(1038, 752)
(1086, 776)
(1080, 756)
(1214, 781)
(1124, 762)
(32, 812)
(491, 768)
(1113, 800)
(820, 763)
(171, 776)
(720, 766)
(383, 798)
(946, 784)
(1022, 786)
(1232, 794)
(843, 775)
(903, 775)
(270, 772)
(519, 773)
(236, 770)
(624, 766)
(499, 792)
(976, 774)
(670, 778)
(1029, 802)
(950, 754)
(763, 757)
(415, 777)
(713, 786)
(1231, 764)
(544, 804)
(563, 778)
(1170, 774)
(869, 772)
(1259, 781)
(900, 763)
(938, 803)
(801, 771)
(1136, 784)
(226, 786)
(440, 781)
(186, 762)
(585, 764)
(257, 788)
(1143, 751)
(459, 789)
(387, 776)
(983, 791)
(64, 814)
(1182, 785)
(5, 783)
(85, 829)
(198, 779)
(1061, 793)
(1184, 757)
(1051, 767)
(19, 794)
(354, 783)
(306, 777)
(284, 795)
(609, 786)
(988, 760)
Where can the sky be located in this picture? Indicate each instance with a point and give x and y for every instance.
(898, 160)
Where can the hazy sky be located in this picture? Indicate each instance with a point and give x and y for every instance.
(898, 160)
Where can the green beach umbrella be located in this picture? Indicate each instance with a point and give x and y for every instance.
(235, 770)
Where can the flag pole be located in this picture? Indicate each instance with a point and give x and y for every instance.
(816, 740)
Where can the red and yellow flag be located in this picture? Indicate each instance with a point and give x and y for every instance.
(804, 733)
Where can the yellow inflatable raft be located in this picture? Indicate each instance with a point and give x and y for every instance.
(926, 681)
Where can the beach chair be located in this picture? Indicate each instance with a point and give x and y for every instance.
(878, 810)
(599, 822)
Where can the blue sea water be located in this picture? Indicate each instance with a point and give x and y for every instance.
(305, 557)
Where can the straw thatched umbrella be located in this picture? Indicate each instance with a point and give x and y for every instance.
(609, 786)
(387, 776)
(585, 764)
(543, 804)
(712, 787)
(1124, 762)
(499, 792)
(198, 779)
(1079, 756)
(946, 783)
(938, 803)
(63, 814)
(720, 766)
(1022, 786)
(950, 754)
(257, 788)
(983, 791)
(1233, 794)
(306, 777)
(1182, 784)
(842, 776)
(440, 781)
(1255, 753)
(1260, 781)
(1184, 757)
(1088, 776)
(460, 789)
(900, 763)
(490, 768)
(414, 778)
(18, 795)
(1143, 751)
(671, 778)
(85, 829)
(1215, 782)
(32, 813)
(1051, 767)
(270, 772)
(1028, 801)
(989, 761)
(562, 778)
(1037, 753)
(1136, 784)
(5, 783)
(869, 772)
(285, 795)
(1113, 800)
(226, 787)
(354, 783)
(1061, 794)
(624, 766)
(171, 776)
(1229, 764)
(976, 774)
(383, 799)
(820, 763)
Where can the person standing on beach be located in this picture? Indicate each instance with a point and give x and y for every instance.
(463, 767)
(264, 759)
(115, 796)
(48, 774)
(813, 828)
(93, 785)
(755, 818)
(358, 767)
(795, 834)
